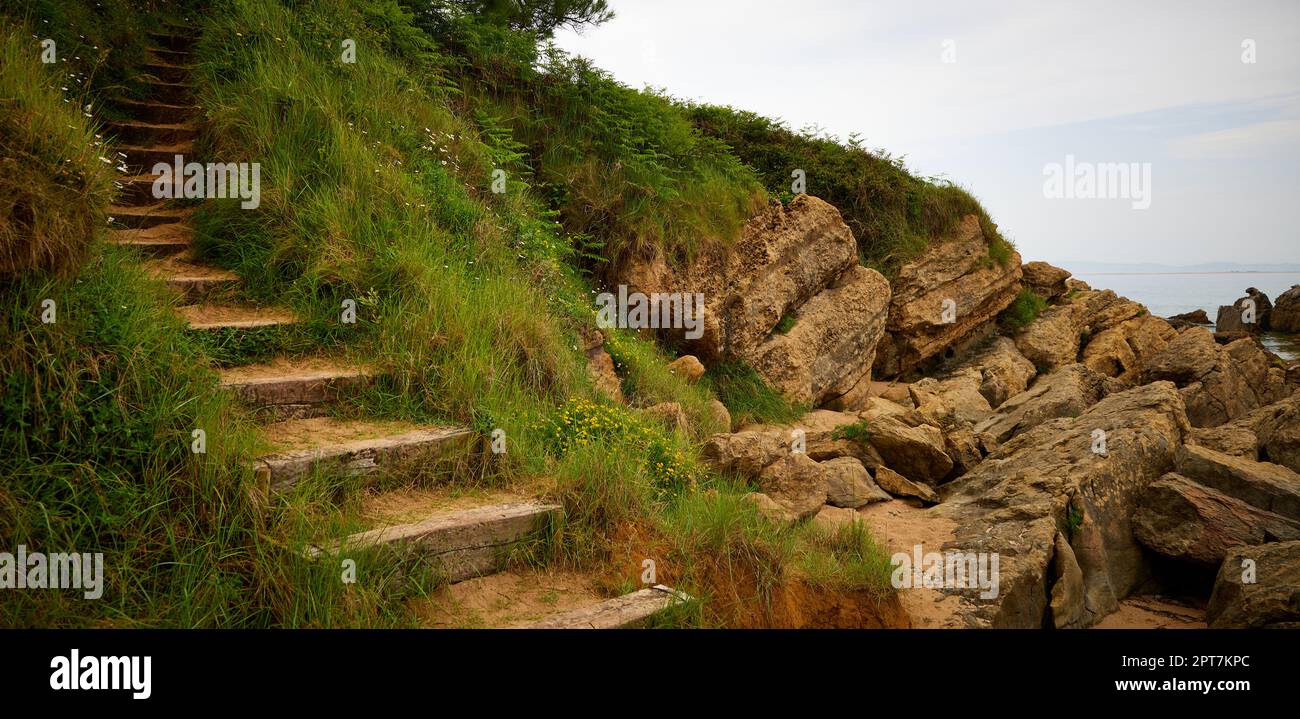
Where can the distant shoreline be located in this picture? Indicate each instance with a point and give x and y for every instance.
(1201, 272)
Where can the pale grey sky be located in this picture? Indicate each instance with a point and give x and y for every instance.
(988, 94)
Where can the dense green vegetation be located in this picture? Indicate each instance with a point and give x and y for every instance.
(378, 185)
(894, 215)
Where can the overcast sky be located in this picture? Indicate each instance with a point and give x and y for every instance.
(989, 94)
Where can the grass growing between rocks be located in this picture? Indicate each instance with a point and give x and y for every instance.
(1023, 310)
(376, 186)
(748, 398)
(894, 215)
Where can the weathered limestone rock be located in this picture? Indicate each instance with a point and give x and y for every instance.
(832, 519)
(915, 450)
(1195, 317)
(747, 452)
(798, 259)
(687, 367)
(796, 483)
(1046, 281)
(833, 342)
(1265, 485)
(1184, 520)
(849, 484)
(1270, 433)
(956, 268)
(1217, 383)
(1052, 339)
(1005, 372)
(1067, 604)
(1286, 313)
(1272, 596)
(900, 486)
(1251, 313)
(670, 415)
(721, 414)
(1123, 351)
(600, 365)
(1017, 500)
(1067, 392)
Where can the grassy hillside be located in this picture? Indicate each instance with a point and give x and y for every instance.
(376, 186)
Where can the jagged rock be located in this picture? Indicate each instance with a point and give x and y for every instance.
(913, 448)
(849, 484)
(797, 258)
(1184, 520)
(954, 399)
(1052, 339)
(1195, 317)
(1046, 281)
(1217, 383)
(721, 414)
(1005, 372)
(1089, 546)
(1286, 313)
(1067, 603)
(1251, 313)
(900, 486)
(746, 453)
(1271, 597)
(832, 344)
(1123, 351)
(1067, 392)
(796, 483)
(964, 450)
(1265, 485)
(1017, 499)
(687, 367)
(1270, 433)
(955, 268)
(770, 510)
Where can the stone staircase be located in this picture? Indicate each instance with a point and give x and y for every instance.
(292, 396)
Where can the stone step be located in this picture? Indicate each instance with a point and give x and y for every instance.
(177, 42)
(140, 159)
(156, 241)
(629, 610)
(193, 281)
(294, 388)
(175, 57)
(134, 132)
(153, 111)
(166, 71)
(219, 316)
(465, 544)
(146, 216)
(138, 190)
(171, 93)
(303, 446)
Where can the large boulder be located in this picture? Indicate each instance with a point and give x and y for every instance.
(1185, 520)
(1122, 351)
(1219, 383)
(830, 347)
(1257, 587)
(1286, 313)
(1251, 313)
(745, 453)
(956, 269)
(1054, 338)
(796, 260)
(1067, 392)
(911, 447)
(1004, 371)
(796, 483)
(1041, 483)
(1269, 486)
(1270, 433)
(1044, 280)
(849, 484)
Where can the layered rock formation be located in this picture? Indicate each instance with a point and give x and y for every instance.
(797, 261)
(1286, 313)
(948, 295)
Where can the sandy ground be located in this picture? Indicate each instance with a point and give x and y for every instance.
(506, 599)
(1153, 612)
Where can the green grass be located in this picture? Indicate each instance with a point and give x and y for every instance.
(376, 187)
(1023, 310)
(748, 398)
(894, 215)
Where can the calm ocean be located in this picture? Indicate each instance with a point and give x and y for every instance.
(1176, 293)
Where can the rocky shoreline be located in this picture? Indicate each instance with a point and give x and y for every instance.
(1101, 453)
